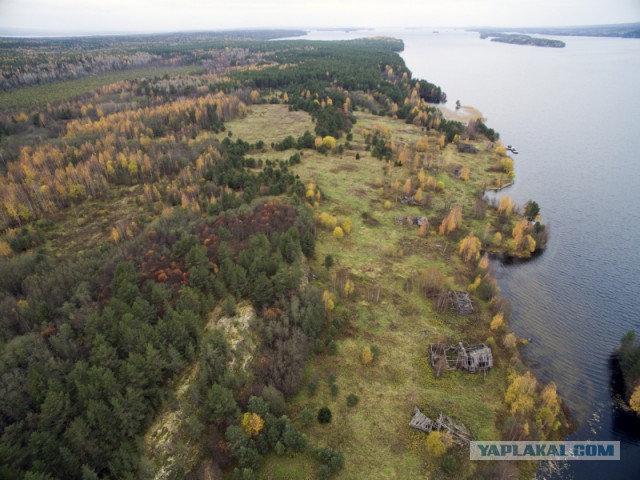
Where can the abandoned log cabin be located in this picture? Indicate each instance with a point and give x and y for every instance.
(458, 433)
(464, 147)
(474, 358)
(461, 302)
(409, 220)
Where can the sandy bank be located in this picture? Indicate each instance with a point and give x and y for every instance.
(463, 114)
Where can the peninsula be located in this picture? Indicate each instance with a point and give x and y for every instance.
(221, 255)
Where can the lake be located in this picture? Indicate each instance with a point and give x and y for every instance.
(573, 115)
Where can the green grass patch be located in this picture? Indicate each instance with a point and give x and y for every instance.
(269, 123)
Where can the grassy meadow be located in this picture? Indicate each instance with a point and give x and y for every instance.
(374, 434)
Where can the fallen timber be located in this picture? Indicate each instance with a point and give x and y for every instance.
(458, 433)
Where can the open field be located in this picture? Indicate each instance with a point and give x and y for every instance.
(270, 123)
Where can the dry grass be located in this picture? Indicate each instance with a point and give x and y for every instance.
(270, 123)
(89, 224)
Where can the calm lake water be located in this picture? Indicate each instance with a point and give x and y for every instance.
(574, 115)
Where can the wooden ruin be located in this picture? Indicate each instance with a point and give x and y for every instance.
(459, 433)
(409, 220)
(461, 302)
(474, 358)
(458, 301)
(466, 147)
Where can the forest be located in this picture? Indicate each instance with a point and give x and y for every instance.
(629, 361)
(137, 224)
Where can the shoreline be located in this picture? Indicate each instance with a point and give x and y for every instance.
(464, 114)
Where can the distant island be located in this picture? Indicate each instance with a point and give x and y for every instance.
(622, 30)
(519, 39)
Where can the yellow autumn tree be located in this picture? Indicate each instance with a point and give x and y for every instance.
(524, 242)
(406, 189)
(115, 235)
(346, 225)
(317, 142)
(520, 396)
(465, 172)
(430, 183)
(329, 142)
(311, 190)
(506, 206)
(338, 233)
(634, 401)
(422, 144)
(549, 397)
(452, 221)
(5, 249)
(549, 408)
(506, 163)
(22, 118)
(366, 355)
(499, 149)
(435, 446)
(510, 340)
(470, 248)
(483, 264)
(327, 299)
(387, 204)
(327, 221)
(349, 287)
(497, 322)
(419, 196)
(252, 424)
(496, 241)
(403, 156)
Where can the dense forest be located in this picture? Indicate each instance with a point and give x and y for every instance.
(134, 222)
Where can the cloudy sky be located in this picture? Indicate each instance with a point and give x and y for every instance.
(173, 15)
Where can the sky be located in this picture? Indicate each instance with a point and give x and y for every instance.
(180, 15)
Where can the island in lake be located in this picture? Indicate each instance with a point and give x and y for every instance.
(520, 39)
(622, 30)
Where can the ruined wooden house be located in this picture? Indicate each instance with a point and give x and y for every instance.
(461, 302)
(408, 220)
(458, 433)
(473, 358)
(465, 147)
(409, 200)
